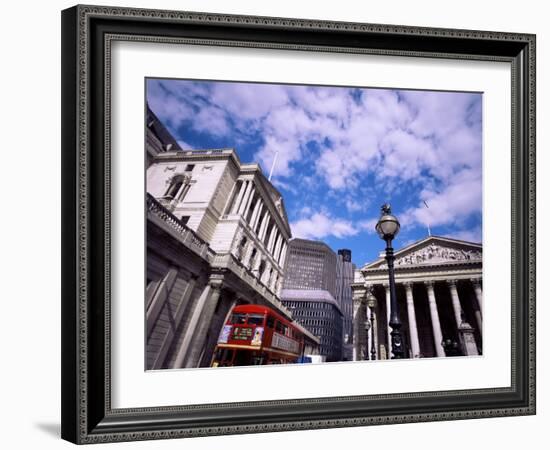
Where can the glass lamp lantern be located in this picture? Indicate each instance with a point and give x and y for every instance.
(388, 225)
(371, 301)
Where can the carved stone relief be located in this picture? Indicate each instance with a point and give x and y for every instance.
(433, 254)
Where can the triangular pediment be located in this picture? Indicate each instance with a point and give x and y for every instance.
(433, 250)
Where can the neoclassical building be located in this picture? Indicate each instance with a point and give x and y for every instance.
(217, 236)
(439, 294)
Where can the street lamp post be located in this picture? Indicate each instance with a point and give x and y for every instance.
(367, 328)
(371, 303)
(387, 228)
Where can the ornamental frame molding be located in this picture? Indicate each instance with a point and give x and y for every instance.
(82, 228)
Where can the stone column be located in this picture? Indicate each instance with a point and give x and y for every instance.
(434, 315)
(283, 255)
(388, 314)
(204, 325)
(182, 308)
(255, 213)
(179, 194)
(246, 197)
(374, 332)
(271, 241)
(479, 297)
(357, 353)
(276, 240)
(239, 198)
(413, 330)
(249, 202)
(256, 225)
(281, 246)
(263, 226)
(202, 313)
(157, 297)
(277, 247)
(457, 309)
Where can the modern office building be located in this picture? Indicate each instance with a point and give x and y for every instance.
(217, 236)
(344, 297)
(439, 296)
(309, 292)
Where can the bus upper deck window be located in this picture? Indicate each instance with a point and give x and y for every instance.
(238, 318)
(270, 322)
(255, 319)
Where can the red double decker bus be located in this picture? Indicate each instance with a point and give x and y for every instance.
(257, 335)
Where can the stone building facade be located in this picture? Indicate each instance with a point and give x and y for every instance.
(439, 295)
(310, 293)
(217, 236)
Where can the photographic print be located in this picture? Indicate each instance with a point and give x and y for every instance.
(299, 224)
(319, 200)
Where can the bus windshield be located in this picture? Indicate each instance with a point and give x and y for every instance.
(238, 318)
(250, 319)
(255, 319)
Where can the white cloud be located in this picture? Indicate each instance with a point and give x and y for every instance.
(405, 155)
(337, 138)
(169, 108)
(248, 101)
(368, 225)
(473, 235)
(407, 136)
(286, 151)
(354, 205)
(212, 120)
(459, 199)
(184, 145)
(321, 225)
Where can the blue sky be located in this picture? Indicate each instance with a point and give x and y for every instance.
(343, 152)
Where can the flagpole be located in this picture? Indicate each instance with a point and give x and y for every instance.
(273, 165)
(428, 222)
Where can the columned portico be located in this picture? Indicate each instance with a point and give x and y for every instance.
(411, 314)
(456, 302)
(246, 197)
(434, 315)
(196, 330)
(373, 333)
(438, 283)
(240, 195)
(388, 314)
(357, 354)
(476, 282)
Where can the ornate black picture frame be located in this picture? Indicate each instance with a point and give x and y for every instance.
(87, 35)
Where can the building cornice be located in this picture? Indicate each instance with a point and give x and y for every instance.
(424, 267)
(435, 243)
(204, 154)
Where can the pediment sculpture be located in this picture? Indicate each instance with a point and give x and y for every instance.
(436, 253)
